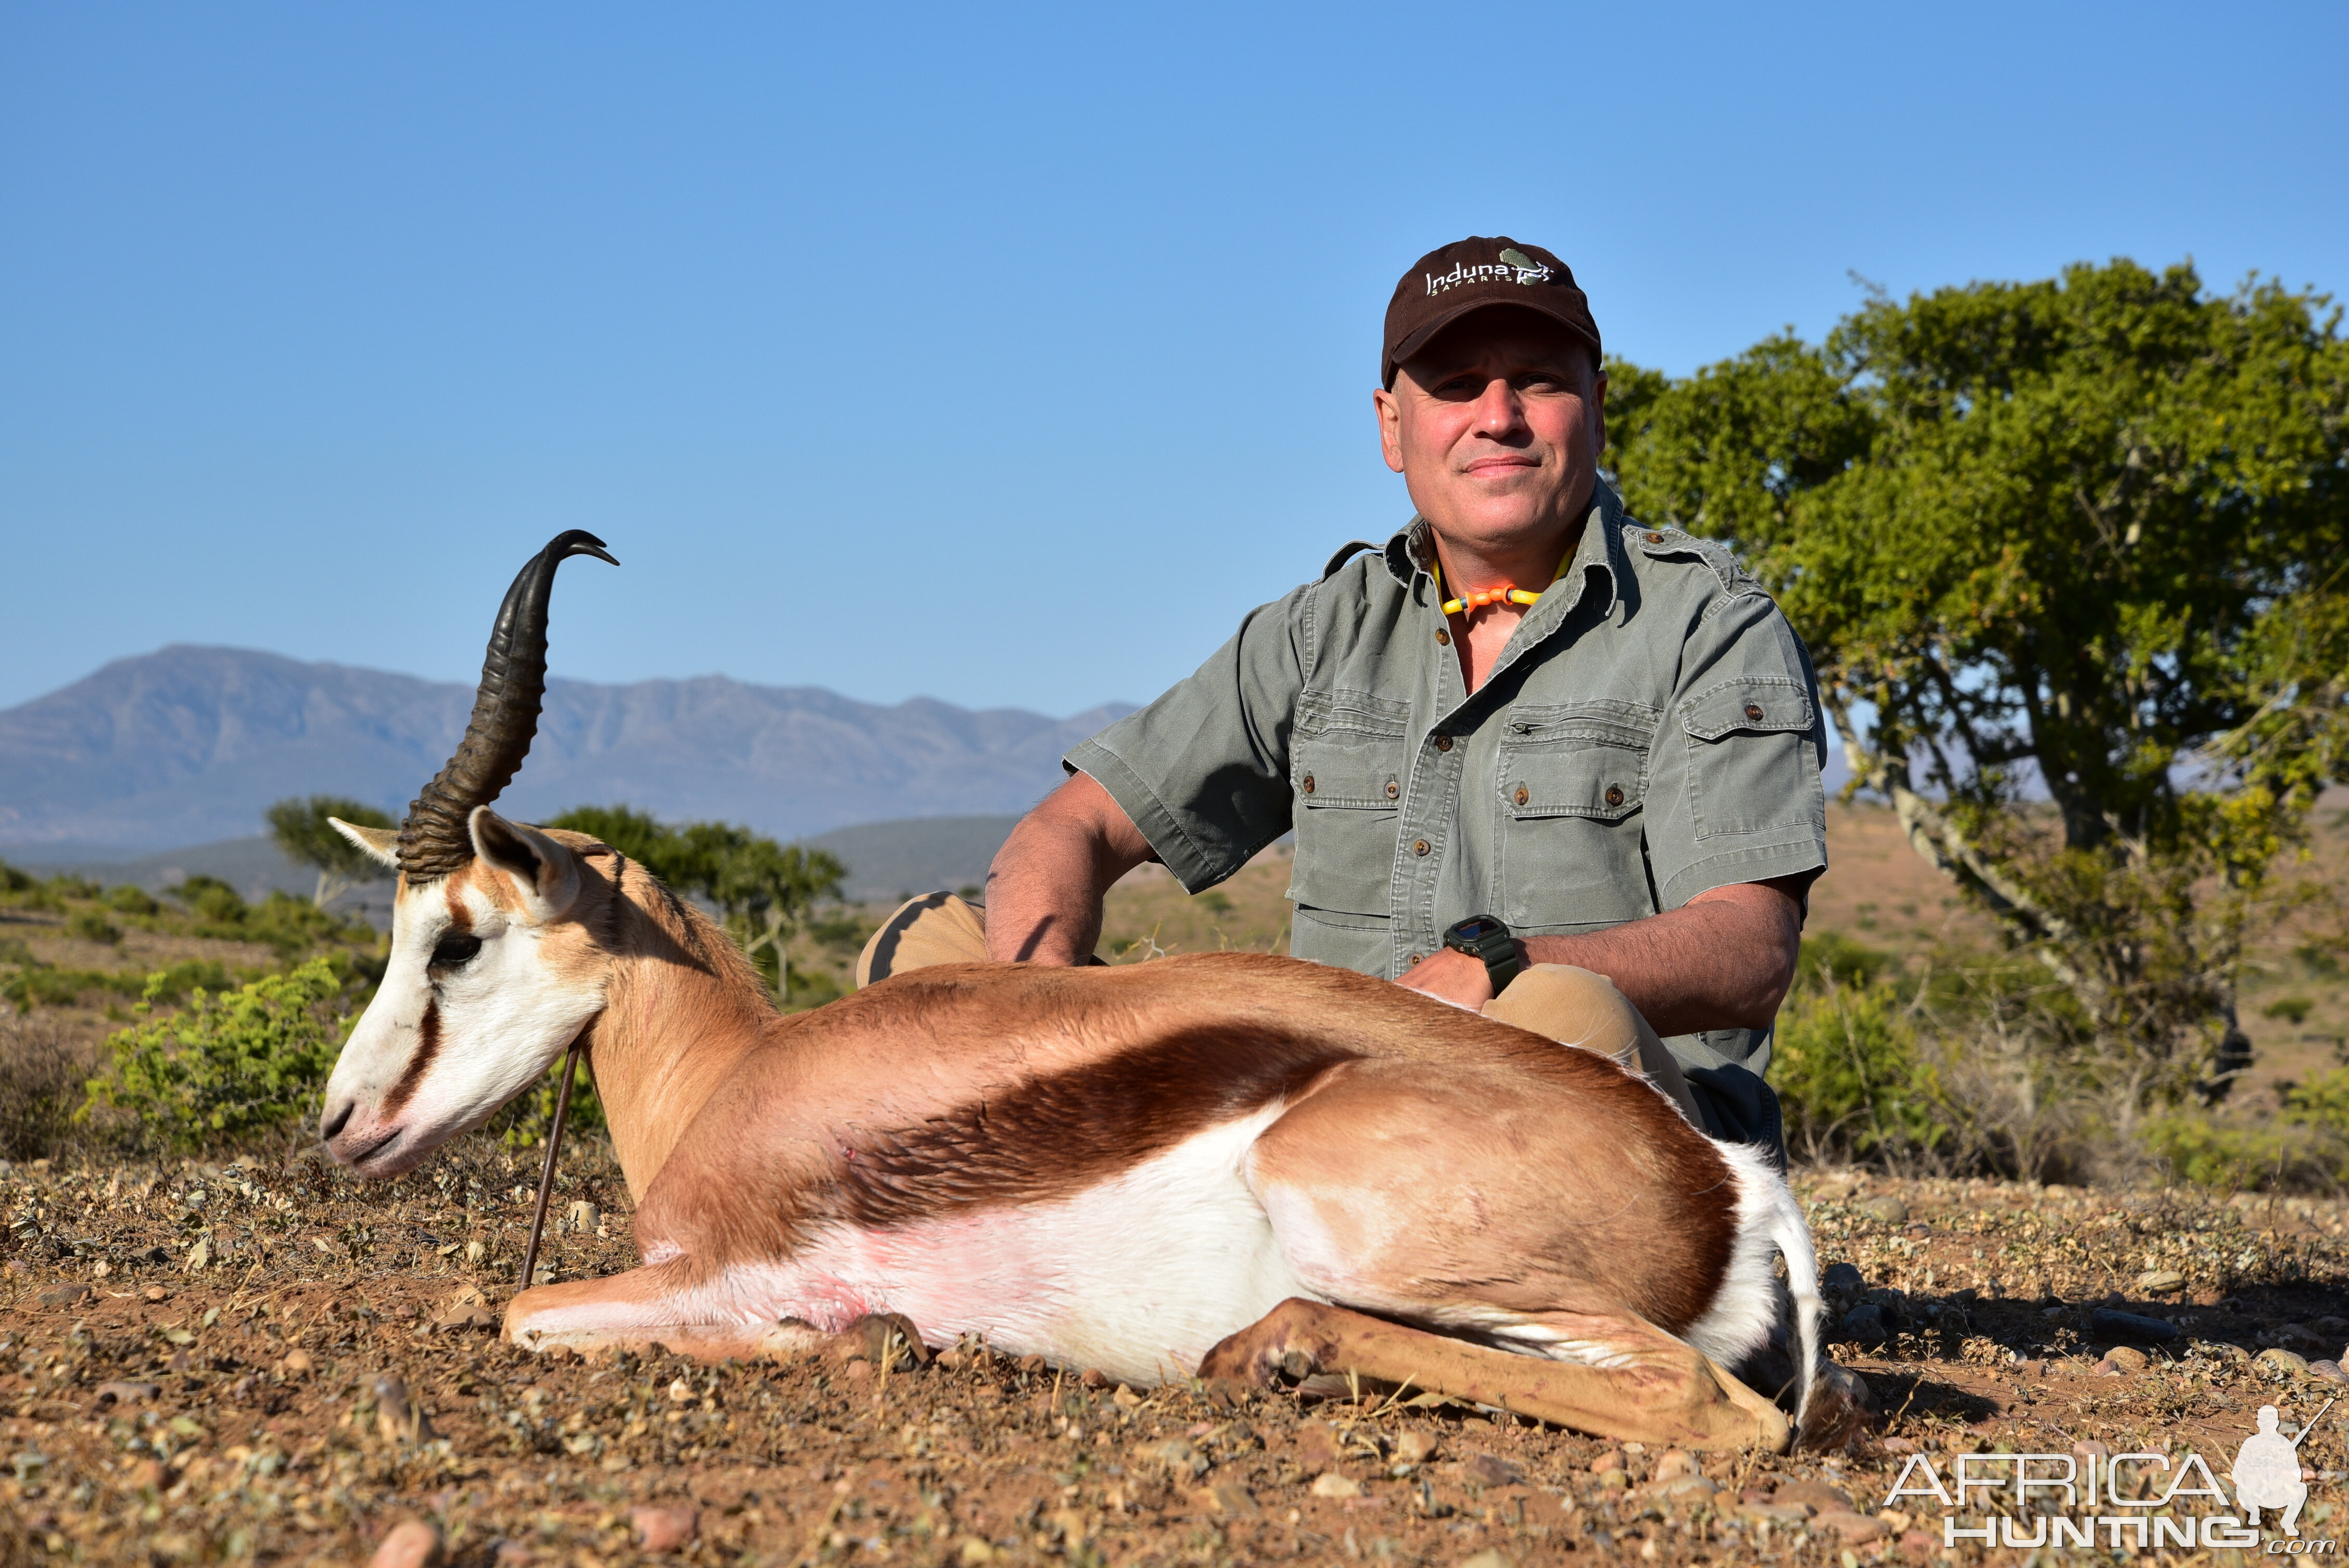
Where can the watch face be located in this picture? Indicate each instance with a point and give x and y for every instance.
(1477, 929)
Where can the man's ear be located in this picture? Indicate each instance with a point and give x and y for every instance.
(380, 845)
(542, 871)
(1389, 413)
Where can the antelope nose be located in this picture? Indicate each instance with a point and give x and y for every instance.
(342, 1119)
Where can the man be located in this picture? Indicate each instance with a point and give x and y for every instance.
(1602, 737)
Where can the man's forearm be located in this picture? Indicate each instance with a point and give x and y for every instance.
(1722, 961)
(1044, 890)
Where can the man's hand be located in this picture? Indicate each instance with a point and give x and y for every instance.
(1454, 977)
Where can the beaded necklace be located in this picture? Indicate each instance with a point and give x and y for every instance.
(1508, 593)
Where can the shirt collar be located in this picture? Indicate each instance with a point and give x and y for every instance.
(1413, 548)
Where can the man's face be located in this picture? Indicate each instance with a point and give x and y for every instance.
(1496, 427)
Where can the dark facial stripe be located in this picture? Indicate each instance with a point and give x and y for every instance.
(1054, 1137)
(428, 1046)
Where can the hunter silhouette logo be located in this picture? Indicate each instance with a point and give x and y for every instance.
(2267, 1471)
(1528, 268)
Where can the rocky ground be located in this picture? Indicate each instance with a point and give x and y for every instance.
(267, 1362)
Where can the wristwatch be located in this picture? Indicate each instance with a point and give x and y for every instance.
(1480, 936)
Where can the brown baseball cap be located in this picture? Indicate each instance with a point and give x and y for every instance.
(1468, 275)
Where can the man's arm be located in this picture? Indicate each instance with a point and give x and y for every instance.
(1044, 890)
(1722, 961)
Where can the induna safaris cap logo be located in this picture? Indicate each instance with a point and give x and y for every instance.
(2126, 1503)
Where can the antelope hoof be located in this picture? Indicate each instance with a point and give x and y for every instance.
(891, 1342)
(1837, 1413)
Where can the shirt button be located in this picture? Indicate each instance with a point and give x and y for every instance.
(1614, 794)
(1442, 639)
(1524, 795)
(1419, 847)
(1753, 711)
(1416, 957)
(1393, 789)
(1442, 743)
(1309, 783)
(1655, 539)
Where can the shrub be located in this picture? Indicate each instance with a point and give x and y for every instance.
(12, 880)
(1833, 956)
(2291, 1010)
(91, 926)
(41, 1072)
(211, 901)
(231, 1064)
(130, 900)
(525, 1121)
(1851, 1075)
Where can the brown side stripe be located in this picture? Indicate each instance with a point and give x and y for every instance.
(1054, 1137)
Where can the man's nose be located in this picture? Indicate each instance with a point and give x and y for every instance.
(1500, 411)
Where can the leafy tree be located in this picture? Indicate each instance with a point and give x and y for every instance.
(302, 831)
(2081, 537)
(762, 889)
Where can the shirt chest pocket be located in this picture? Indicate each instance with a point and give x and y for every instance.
(1572, 778)
(1346, 768)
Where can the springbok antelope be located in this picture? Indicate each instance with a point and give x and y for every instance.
(1228, 1164)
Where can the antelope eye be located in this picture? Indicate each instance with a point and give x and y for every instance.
(455, 949)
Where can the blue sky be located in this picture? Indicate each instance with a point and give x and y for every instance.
(1000, 356)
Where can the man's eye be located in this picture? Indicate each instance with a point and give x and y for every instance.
(452, 950)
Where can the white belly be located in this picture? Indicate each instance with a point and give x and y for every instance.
(1139, 1276)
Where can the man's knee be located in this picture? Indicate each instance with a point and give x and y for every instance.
(935, 928)
(1581, 1008)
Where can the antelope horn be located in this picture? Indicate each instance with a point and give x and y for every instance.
(435, 840)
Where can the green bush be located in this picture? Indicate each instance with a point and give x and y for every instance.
(2291, 1010)
(12, 880)
(2307, 1145)
(231, 1064)
(1833, 956)
(525, 1121)
(91, 926)
(211, 901)
(43, 986)
(130, 900)
(1850, 1074)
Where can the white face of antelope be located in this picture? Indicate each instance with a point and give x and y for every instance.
(491, 979)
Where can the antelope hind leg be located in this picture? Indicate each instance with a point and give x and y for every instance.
(1660, 1390)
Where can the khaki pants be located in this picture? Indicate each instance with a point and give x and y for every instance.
(1570, 1005)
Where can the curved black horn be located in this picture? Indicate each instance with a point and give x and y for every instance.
(435, 840)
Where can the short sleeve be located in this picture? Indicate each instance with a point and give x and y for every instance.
(1734, 791)
(1204, 770)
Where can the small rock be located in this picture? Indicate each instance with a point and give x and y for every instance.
(298, 1363)
(1886, 1210)
(1672, 1462)
(1491, 1469)
(1230, 1499)
(973, 1552)
(2160, 1282)
(1817, 1495)
(1863, 1324)
(2284, 1360)
(2329, 1371)
(2300, 1336)
(1316, 1446)
(1415, 1447)
(2104, 1323)
(1177, 1458)
(1854, 1527)
(1841, 1279)
(474, 1253)
(1123, 1397)
(2128, 1357)
(1094, 1377)
(465, 1307)
(63, 1296)
(157, 1293)
(663, 1529)
(126, 1393)
(396, 1417)
(411, 1543)
(1333, 1483)
(583, 1216)
(1611, 1459)
(1491, 1557)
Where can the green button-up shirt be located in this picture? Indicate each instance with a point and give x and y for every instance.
(1651, 731)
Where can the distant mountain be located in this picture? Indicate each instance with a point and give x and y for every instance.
(191, 744)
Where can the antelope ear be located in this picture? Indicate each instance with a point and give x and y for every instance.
(545, 873)
(380, 845)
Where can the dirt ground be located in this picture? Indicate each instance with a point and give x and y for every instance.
(268, 1362)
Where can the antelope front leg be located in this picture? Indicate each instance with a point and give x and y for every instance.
(1662, 1391)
